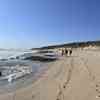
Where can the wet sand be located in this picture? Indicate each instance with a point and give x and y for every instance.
(70, 78)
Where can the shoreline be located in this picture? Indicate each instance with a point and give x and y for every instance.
(10, 87)
(72, 78)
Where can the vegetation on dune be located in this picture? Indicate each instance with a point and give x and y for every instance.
(72, 45)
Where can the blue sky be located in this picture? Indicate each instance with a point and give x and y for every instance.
(35, 23)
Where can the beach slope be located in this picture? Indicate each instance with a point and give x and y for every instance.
(70, 78)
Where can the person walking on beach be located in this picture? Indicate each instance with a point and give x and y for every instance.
(62, 52)
(0, 73)
(66, 52)
(70, 52)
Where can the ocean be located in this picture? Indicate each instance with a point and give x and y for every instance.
(5, 60)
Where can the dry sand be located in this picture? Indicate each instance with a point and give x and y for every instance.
(70, 78)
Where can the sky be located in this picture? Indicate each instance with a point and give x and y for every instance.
(36, 23)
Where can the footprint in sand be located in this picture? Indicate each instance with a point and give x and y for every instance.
(98, 90)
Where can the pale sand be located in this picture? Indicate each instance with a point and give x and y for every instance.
(70, 78)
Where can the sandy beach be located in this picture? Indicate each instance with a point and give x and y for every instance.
(75, 77)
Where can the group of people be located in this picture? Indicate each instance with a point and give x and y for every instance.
(67, 52)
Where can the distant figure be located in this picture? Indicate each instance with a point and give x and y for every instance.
(66, 52)
(70, 52)
(0, 73)
(62, 52)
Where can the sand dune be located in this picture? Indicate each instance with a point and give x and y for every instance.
(70, 78)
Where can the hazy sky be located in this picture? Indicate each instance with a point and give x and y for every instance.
(34, 23)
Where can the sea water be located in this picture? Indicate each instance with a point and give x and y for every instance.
(5, 86)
